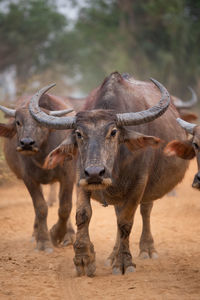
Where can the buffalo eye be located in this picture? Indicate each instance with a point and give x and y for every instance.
(78, 134)
(196, 146)
(113, 132)
(18, 123)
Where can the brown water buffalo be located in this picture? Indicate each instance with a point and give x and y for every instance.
(26, 146)
(187, 149)
(110, 140)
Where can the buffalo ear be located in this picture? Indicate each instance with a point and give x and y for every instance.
(65, 151)
(7, 130)
(135, 140)
(182, 149)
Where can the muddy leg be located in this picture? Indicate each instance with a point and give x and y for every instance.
(41, 211)
(52, 194)
(122, 261)
(59, 230)
(147, 249)
(84, 259)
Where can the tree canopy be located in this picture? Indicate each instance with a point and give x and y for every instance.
(148, 38)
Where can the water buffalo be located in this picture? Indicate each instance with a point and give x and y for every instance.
(110, 140)
(25, 148)
(187, 149)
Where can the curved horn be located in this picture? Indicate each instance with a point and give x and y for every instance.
(141, 117)
(8, 111)
(45, 119)
(60, 113)
(189, 127)
(186, 104)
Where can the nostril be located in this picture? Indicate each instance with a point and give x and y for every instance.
(86, 173)
(94, 171)
(27, 142)
(102, 172)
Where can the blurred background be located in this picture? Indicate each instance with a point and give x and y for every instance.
(76, 43)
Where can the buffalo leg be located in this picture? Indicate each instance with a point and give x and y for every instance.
(111, 257)
(122, 263)
(35, 229)
(41, 211)
(147, 249)
(69, 237)
(59, 230)
(84, 259)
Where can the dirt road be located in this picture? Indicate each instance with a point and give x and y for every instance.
(26, 274)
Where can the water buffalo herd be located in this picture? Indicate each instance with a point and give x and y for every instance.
(126, 144)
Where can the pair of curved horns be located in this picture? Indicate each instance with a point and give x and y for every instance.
(124, 119)
(57, 113)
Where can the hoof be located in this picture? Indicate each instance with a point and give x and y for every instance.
(154, 255)
(67, 243)
(116, 271)
(108, 262)
(48, 250)
(80, 271)
(69, 239)
(44, 246)
(144, 255)
(130, 269)
(90, 270)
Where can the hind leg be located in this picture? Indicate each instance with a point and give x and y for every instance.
(69, 237)
(112, 255)
(52, 194)
(59, 230)
(147, 249)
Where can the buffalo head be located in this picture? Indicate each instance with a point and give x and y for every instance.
(187, 149)
(30, 136)
(96, 136)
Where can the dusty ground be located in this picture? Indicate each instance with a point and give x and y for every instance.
(26, 274)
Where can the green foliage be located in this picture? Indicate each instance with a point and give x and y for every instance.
(146, 38)
(28, 32)
(143, 37)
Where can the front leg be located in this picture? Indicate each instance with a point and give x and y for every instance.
(84, 259)
(122, 258)
(40, 226)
